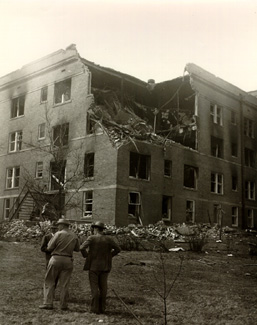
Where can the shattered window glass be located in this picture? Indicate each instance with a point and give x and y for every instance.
(61, 134)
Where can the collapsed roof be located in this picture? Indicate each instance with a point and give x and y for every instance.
(129, 109)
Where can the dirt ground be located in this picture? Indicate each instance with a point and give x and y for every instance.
(218, 286)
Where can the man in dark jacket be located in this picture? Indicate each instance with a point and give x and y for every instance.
(60, 266)
(99, 251)
(45, 240)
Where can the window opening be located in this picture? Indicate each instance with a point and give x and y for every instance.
(18, 106)
(62, 91)
(166, 207)
(89, 165)
(15, 141)
(61, 134)
(190, 211)
(190, 176)
(88, 204)
(216, 183)
(139, 166)
(13, 177)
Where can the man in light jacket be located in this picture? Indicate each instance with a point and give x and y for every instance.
(99, 251)
(60, 266)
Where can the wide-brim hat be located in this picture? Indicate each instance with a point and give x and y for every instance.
(62, 222)
(98, 224)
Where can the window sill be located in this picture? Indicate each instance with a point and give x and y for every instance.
(60, 104)
(88, 179)
(13, 188)
(190, 188)
(139, 179)
(16, 117)
(217, 193)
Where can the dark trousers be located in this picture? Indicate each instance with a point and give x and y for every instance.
(98, 285)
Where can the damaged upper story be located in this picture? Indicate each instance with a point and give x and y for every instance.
(127, 108)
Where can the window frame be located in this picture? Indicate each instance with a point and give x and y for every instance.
(234, 150)
(136, 205)
(216, 112)
(89, 165)
(217, 183)
(17, 110)
(250, 217)
(234, 216)
(58, 92)
(234, 181)
(140, 170)
(44, 92)
(195, 176)
(250, 190)
(249, 156)
(39, 170)
(17, 142)
(14, 178)
(248, 127)
(167, 168)
(191, 211)
(39, 131)
(233, 118)
(87, 201)
(217, 147)
(62, 138)
(7, 209)
(53, 179)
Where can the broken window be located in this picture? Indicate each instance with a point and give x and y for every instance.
(250, 190)
(216, 114)
(190, 176)
(250, 219)
(61, 134)
(87, 204)
(167, 168)
(234, 183)
(134, 205)
(90, 124)
(89, 165)
(190, 211)
(41, 131)
(7, 207)
(15, 141)
(18, 106)
(44, 92)
(249, 158)
(166, 207)
(234, 216)
(234, 149)
(248, 128)
(217, 183)
(139, 166)
(39, 169)
(216, 147)
(58, 170)
(13, 177)
(62, 91)
(233, 117)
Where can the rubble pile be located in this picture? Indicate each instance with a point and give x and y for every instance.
(20, 230)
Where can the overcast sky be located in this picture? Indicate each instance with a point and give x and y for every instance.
(144, 38)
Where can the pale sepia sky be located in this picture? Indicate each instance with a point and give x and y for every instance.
(143, 38)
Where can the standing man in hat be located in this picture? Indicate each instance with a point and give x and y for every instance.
(99, 251)
(60, 266)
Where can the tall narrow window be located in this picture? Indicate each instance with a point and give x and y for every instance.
(15, 141)
(7, 206)
(234, 149)
(216, 114)
(58, 170)
(139, 166)
(41, 131)
(217, 147)
(18, 106)
(62, 91)
(87, 204)
(250, 190)
(217, 183)
(250, 219)
(248, 128)
(167, 168)
(39, 169)
(89, 165)
(249, 158)
(190, 176)
(234, 183)
(234, 215)
(44, 92)
(190, 211)
(233, 117)
(134, 205)
(13, 177)
(61, 135)
(166, 207)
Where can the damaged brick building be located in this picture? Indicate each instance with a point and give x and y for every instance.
(92, 143)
